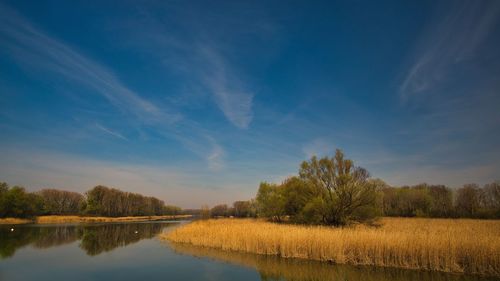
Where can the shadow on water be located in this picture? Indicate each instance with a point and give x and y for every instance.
(276, 268)
(95, 239)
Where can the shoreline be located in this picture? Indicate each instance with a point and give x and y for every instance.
(454, 246)
(85, 219)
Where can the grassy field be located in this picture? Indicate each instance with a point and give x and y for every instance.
(462, 245)
(78, 219)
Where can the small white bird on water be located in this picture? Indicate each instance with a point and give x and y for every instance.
(12, 229)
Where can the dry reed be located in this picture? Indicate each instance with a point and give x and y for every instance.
(462, 245)
(276, 268)
(78, 219)
(14, 221)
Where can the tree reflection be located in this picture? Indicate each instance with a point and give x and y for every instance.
(274, 268)
(48, 237)
(95, 239)
(10, 241)
(104, 238)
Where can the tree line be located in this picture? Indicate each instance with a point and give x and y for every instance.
(439, 201)
(333, 191)
(239, 209)
(99, 201)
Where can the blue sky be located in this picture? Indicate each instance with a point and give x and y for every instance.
(198, 101)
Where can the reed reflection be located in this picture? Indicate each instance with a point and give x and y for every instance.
(273, 268)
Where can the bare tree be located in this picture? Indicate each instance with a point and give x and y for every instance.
(468, 200)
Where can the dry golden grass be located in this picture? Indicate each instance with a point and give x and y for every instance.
(462, 245)
(14, 221)
(78, 219)
(276, 268)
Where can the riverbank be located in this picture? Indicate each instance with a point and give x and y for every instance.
(460, 246)
(83, 219)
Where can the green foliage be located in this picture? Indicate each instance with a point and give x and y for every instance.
(346, 189)
(111, 202)
(407, 201)
(296, 193)
(101, 201)
(4, 188)
(270, 201)
(468, 200)
(439, 201)
(171, 210)
(313, 212)
(205, 212)
(219, 211)
(333, 191)
(61, 202)
(17, 203)
(328, 191)
(441, 198)
(491, 199)
(244, 209)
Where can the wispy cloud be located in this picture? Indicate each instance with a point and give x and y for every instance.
(215, 157)
(108, 131)
(34, 48)
(449, 40)
(204, 58)
(203, 145)
(229, 93)
(203, 64)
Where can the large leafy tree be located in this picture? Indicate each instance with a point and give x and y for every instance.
(348, 194)
(270, 201)
(16, 202)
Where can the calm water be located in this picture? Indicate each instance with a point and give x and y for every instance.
(132, 251)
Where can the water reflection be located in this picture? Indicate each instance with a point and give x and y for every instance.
(275, 268)
(104, 238)
(162, 261)
(95, 239)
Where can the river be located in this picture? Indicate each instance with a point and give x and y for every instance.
(133, 251)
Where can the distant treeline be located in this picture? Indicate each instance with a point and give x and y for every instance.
(439, 201)
(239, 209)
(16, 202)
(423, 200)
(333, 191)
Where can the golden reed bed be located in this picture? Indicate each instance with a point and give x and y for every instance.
(462, 245)
(78, 219)
(276, 268)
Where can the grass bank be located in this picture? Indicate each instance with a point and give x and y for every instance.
(82, 219)
(462, 245)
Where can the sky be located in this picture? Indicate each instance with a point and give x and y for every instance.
(197, 102)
